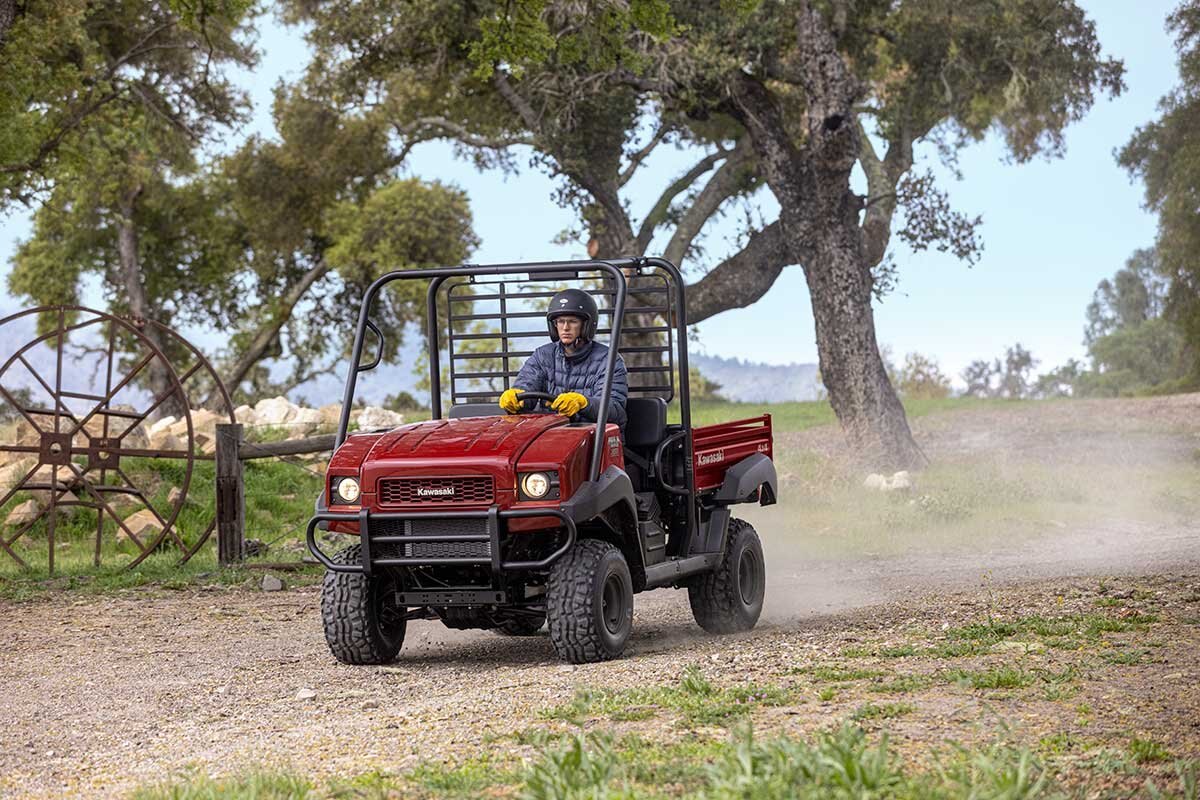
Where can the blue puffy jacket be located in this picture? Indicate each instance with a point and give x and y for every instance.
(552, 371)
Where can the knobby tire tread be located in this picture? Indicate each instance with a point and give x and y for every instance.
(569, 597)
(350, 632)
(714, 596)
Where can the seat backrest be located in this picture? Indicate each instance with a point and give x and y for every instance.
(473, 410)
(646, 423)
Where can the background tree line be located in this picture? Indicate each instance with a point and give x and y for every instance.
(112, 112)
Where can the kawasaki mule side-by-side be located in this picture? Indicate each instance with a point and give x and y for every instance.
(483, 519)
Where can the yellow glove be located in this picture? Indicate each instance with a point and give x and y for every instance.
(509, 401)
(569, 403)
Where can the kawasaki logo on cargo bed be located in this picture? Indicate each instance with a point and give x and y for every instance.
(711, 458)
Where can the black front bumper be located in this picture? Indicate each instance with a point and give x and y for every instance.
(490, 532)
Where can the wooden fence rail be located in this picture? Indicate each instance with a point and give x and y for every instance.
(232, 450)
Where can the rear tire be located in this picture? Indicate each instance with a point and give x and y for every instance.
(363, 625)
(730, 598)
(589, 603)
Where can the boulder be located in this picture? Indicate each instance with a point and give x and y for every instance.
(143, 524)
(14, 471)
(272, 584)
(163, 439)
(245, 415)
(374, 417)
(306, 421)
(161, 425)
(137, 438)
(23, 513)
(331, 414)
(875, 481)
(274, 411)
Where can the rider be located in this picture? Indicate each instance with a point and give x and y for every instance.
(572, 365)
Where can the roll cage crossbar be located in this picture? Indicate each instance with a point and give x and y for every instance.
(437, 277)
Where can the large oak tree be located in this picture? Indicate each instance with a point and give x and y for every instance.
(794, 96)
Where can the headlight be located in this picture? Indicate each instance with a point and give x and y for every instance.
(347, 490)
(536, 485)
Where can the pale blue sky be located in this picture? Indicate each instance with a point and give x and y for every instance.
(1052, 229)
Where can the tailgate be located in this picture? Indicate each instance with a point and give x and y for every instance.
(716, 448)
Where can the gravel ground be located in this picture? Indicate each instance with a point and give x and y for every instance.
(101, 694)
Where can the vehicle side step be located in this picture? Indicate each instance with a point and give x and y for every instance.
(673, 570)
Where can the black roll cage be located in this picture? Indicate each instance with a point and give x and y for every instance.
(614, 268)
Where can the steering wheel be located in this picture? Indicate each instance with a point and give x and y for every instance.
(523, 396)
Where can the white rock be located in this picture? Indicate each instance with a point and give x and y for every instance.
(373, 417)
(304, 422)
(272, 584)
(165, 440)
(305, 694)
(274, 411)
(899, 481)
(331, 414)
(22, 514)
(162, 424)
(144, 525)
(245, 415)
(875, 481)
(15, 471)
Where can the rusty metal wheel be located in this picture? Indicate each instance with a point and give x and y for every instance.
(79, 393)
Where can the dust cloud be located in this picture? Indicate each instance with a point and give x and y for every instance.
(1070, 489)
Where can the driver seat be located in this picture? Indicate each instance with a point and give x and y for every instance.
(463, 410)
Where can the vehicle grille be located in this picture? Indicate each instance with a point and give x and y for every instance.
(444, 527)
(467, 491)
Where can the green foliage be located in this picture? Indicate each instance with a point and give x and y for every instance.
(920, 377)
(1135, 360)
(1165, 154)
(77, 73)
(702, 389)
(1010, 378)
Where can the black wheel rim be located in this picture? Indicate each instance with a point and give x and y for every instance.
(612, 604)
(748, 577)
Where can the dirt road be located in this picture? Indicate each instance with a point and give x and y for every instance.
(102, 694)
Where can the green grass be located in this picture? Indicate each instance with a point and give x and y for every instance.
(799, 416)
(995, 678)
(833, 673)
(844, 762)
(881, 711)
(694, 699)
(278, 502)
(1148, 751)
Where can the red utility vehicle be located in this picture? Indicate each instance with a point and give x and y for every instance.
(512, 522)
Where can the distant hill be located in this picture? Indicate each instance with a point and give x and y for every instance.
(749, 382)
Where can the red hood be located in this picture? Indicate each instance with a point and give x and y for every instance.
(472, 438)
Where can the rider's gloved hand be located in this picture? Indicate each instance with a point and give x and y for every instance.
(569, 403)
(509, 401)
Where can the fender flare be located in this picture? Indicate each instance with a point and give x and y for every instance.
(747, 476)
(612, 491)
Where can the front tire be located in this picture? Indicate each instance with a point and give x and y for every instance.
(363, 624)
(589, 603)
(730, 598)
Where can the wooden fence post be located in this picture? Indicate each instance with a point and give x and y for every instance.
(231, 495)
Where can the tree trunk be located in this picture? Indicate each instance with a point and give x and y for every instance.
(158, 369)
(862, 397)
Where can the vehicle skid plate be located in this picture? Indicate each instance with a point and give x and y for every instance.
(453, 597)
(466, 545)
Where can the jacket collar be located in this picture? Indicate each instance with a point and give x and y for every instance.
(587, 348)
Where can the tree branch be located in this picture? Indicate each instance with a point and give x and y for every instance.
(518, 104)
(266, 334)
(637, 158)
(658, 214)
(721, 186)
(743, 278)
(454, 130)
